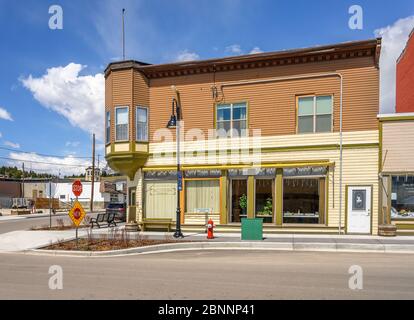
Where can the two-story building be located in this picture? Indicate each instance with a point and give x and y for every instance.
(291, 137)
(397, 148)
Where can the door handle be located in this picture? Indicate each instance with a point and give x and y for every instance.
(369, 212)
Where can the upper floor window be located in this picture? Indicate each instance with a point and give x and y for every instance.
(231, 119)
(121, 123)
(142, 124)
(108, 127)
(315, 114)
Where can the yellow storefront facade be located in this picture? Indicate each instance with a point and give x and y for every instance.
(288, 137)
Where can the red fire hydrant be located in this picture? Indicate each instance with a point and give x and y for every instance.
(210, 227)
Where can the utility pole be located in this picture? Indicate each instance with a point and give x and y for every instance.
(23, 181)
(50, 203)
(93, 170)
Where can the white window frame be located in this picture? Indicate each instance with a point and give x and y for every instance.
(231, 116)
(116, 123)
(314, 112)
(136, 123)
(108, 132)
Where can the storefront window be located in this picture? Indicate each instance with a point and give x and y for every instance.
(303, 200)
(238, 200)
(264, 199)
(402, 197)
(160, 199)
(202, 196)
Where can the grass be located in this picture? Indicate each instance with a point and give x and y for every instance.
(115, 240)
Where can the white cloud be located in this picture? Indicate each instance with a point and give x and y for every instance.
(80, 99)
(72, 144)
(53, 165)
(394, 39)
(234, 49)
(12, 145)
(256, 50)
(5, 115)
(187, 56)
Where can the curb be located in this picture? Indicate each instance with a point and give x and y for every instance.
(265, 246)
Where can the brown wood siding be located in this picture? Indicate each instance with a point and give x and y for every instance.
(120, 85)
(272, 106)
(140, 97)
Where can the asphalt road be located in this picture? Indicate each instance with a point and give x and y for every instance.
(210, 275)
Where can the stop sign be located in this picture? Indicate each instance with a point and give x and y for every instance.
(77, 188)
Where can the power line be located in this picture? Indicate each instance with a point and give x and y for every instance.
(43, 155)
(43, 162)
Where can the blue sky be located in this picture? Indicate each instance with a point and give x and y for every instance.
(156, 31)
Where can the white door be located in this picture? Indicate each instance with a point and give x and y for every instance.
(359, 210)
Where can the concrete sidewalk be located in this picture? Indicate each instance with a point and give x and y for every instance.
(27, 240)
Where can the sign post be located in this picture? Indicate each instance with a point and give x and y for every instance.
(77, 213)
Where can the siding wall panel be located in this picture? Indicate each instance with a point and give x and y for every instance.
(272, 106)
(398, 151)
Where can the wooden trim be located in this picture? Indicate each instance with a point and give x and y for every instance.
(279, 197)
(250, 197)
(396, 118)
(346, 50)
(322, 147)
(327, 197)
(245, 166)
(223, 198)
(322, 200)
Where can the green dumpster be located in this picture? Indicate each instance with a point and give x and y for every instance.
(252, 229)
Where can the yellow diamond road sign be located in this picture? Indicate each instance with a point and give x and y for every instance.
(77, 213)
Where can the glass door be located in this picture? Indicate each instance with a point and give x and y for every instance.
(264, 199)
(238, 196)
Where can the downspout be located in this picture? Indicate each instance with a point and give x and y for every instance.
(340, 156)
(310, 76)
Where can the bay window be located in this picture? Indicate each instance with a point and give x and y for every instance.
(121, 123)
(141, 124)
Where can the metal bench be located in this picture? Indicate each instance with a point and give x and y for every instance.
(156, 222)
(107, 219)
